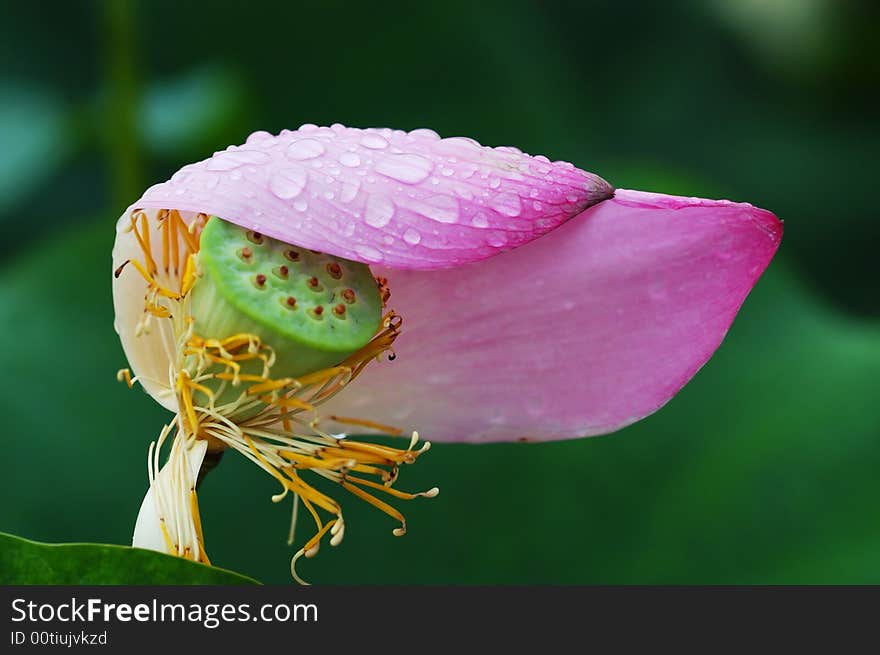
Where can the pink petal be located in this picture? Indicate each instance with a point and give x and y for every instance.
(581, 332)
(407, 200)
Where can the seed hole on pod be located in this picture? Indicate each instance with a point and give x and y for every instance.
(260, 281)
(281, 271)
(246, 255)
(339, 311)
(335, 270)
(255, 237)
(348, 295)
(315, 284)
(291, 254)
(318, 311)
(289, 302)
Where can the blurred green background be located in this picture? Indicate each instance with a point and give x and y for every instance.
(763, 470)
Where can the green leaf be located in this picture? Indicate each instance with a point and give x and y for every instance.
(29, 562)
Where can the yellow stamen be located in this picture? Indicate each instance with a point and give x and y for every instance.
(183, 392)
(322, 376)
(165, 246)
(174, 241)
(379, 504)
(197, 521)
(403, 495)
(384, 429)
(125, 374)
(184, 231)
(171, 547)
(271, 385)
(266, 422)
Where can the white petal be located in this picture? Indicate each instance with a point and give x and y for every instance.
(149, 354)
(147, 533)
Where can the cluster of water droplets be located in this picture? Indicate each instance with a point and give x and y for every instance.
(414, 188)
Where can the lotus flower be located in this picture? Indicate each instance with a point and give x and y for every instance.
(531, 299)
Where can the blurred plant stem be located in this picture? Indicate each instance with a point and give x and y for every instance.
(212, 459)
(121, 134)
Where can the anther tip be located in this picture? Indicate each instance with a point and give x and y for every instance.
(118, 271)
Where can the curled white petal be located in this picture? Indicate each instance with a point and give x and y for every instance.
(172, 487)
(149, 344)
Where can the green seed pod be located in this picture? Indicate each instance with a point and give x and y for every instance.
(313, 309)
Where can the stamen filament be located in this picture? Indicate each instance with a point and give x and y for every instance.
(384, 429)
(378, 504)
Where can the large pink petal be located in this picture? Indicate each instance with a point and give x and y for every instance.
(582, 332)
(407, 200)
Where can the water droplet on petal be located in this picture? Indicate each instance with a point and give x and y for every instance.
(228, 160)
(506, 203)
(494, 183)
(260, 135)
(480, 220)
(368, 252)
(349, 190)
(373, 141)
(425, 134)
(300, 205)
(462, 146)
(288, 183)
(412, 236)
(443, 209)
(468, 171)
(349, 159)
(379, 210)
(406, 168)
(304, 149)
(497, 239)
